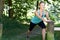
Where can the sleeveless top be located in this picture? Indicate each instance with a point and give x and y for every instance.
(35, 19)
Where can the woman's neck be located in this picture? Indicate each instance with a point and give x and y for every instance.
(41, 10)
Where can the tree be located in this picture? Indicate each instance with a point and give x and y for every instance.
(1, 12)
(10, 10)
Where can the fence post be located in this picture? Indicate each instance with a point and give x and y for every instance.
(1, 27)
(50, 31)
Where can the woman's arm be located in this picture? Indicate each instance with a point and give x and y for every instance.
(47, 16)
(39, 16)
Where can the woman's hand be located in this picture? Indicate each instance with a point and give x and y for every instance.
(44, 19)
(48, 20)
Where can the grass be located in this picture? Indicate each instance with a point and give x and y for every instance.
(57, 35)
(12, 28)
(38, 37)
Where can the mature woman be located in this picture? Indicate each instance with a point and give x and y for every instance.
(38, 19)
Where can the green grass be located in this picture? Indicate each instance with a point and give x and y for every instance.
(38, 37)
(57, 35)
(13, 28)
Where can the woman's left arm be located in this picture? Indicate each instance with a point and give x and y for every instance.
(47, 15)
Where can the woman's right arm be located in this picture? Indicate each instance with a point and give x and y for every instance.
(39, 16)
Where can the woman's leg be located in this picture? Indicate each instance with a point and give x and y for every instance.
(28, 33)
(43, 34)
(32, 25)
(42, 25)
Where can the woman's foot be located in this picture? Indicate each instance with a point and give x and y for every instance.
(27, 38)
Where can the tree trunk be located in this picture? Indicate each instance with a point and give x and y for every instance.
(11, 13)
(1, 11)
(10, 10)
(37, 5)
(1, 29)
(50, 31)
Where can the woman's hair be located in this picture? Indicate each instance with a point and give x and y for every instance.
(41, 2)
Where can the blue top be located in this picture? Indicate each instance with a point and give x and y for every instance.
(35, 19)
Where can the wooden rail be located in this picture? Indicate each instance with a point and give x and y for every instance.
(56, 28)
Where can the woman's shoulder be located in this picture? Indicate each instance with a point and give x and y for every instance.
(45, 11)
(38, 10)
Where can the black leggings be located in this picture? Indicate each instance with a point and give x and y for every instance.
(32, 25)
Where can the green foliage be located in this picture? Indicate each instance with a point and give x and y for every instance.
(20, 8)
(57, 25)
(55, 10)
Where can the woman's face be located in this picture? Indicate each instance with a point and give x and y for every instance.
(42, 6)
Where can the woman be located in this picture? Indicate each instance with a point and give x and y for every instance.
(38, 19)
